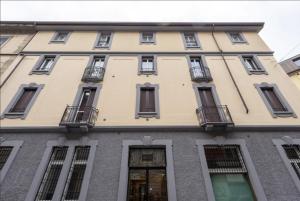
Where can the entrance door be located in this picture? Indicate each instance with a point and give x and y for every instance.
(209, 107)
(147, 179)
(85, 105)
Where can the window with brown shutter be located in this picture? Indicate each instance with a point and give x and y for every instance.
(22, 103)
(147, 100)
(273, 99)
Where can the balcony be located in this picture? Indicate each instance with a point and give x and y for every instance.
(93, 74)
(79, 117)
(214, 116)
(200, 74)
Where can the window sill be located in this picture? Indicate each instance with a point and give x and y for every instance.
(147, 115)
(39, 72)
(16, 115)
(258, 72)
(284, 114)
(147, 42)
(57, 41)
(192, 47)
(102, 47)
(147, 73)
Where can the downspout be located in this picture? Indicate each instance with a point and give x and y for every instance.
(228, 69)
(20, 53)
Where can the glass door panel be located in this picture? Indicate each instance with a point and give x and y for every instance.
(137, 185)
(157, 189)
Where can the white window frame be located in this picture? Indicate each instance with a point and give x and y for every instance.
(16, 144)
(107, 46)
(123, 181)
(253, 177)
(142, 41)
(54, 37)
(240, 35)
(278, 144)
(59, 189)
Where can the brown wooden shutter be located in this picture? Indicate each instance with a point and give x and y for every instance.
(87, 103)
(24, 100)
(273, 99)
(147, 100)
(209, 107)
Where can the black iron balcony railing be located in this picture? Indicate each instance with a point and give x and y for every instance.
(214, 115)
(93, 74)
(200, 74)
(76, 116)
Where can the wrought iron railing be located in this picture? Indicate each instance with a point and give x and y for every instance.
(93, 74)
(214, 115)
(75, 116)
(199, 74)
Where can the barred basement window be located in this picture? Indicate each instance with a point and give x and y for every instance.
(4, 154)
(293, 154)
(51, 176)
(228, 171)
(76, 174)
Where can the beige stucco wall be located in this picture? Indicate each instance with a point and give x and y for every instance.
(5, 62)
(129, 41)
(15, 43)
(177, 98)
(296, 79)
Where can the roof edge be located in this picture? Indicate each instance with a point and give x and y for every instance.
(123, 26)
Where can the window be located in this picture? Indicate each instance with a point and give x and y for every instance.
(103, 40)
(297, 61)
(53, 171)
(191, 40)
(147, 101)
(4, 154)
(147, 37)
(3, 39)
(252, 64)
(147, 179)
(60, 37)
(147, 170)
(51, 176)
(289, 151)
(274, 100)
(45, 64)
(237, 37)
(147, 65)
(8, 151)
(22, 102)
(95, 70)
(67, 170)
(293, 154)
(198, 69)
(228, 171)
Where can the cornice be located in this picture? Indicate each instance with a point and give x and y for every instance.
(103, 129)
(132, 26)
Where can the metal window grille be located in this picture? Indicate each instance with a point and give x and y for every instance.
(293, 154)
(147, 157)
(50, 179)
(4, 154)
(76, 173)
(224, 159)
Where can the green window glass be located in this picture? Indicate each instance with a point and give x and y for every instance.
(231, 187)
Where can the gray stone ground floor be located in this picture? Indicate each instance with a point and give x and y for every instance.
(273, 175)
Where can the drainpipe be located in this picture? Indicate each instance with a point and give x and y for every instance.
(228, 69)
(20, 53)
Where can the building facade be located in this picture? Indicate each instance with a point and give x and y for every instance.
(148, 111)
(292, 67)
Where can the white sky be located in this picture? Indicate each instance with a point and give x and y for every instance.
(282, 18)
